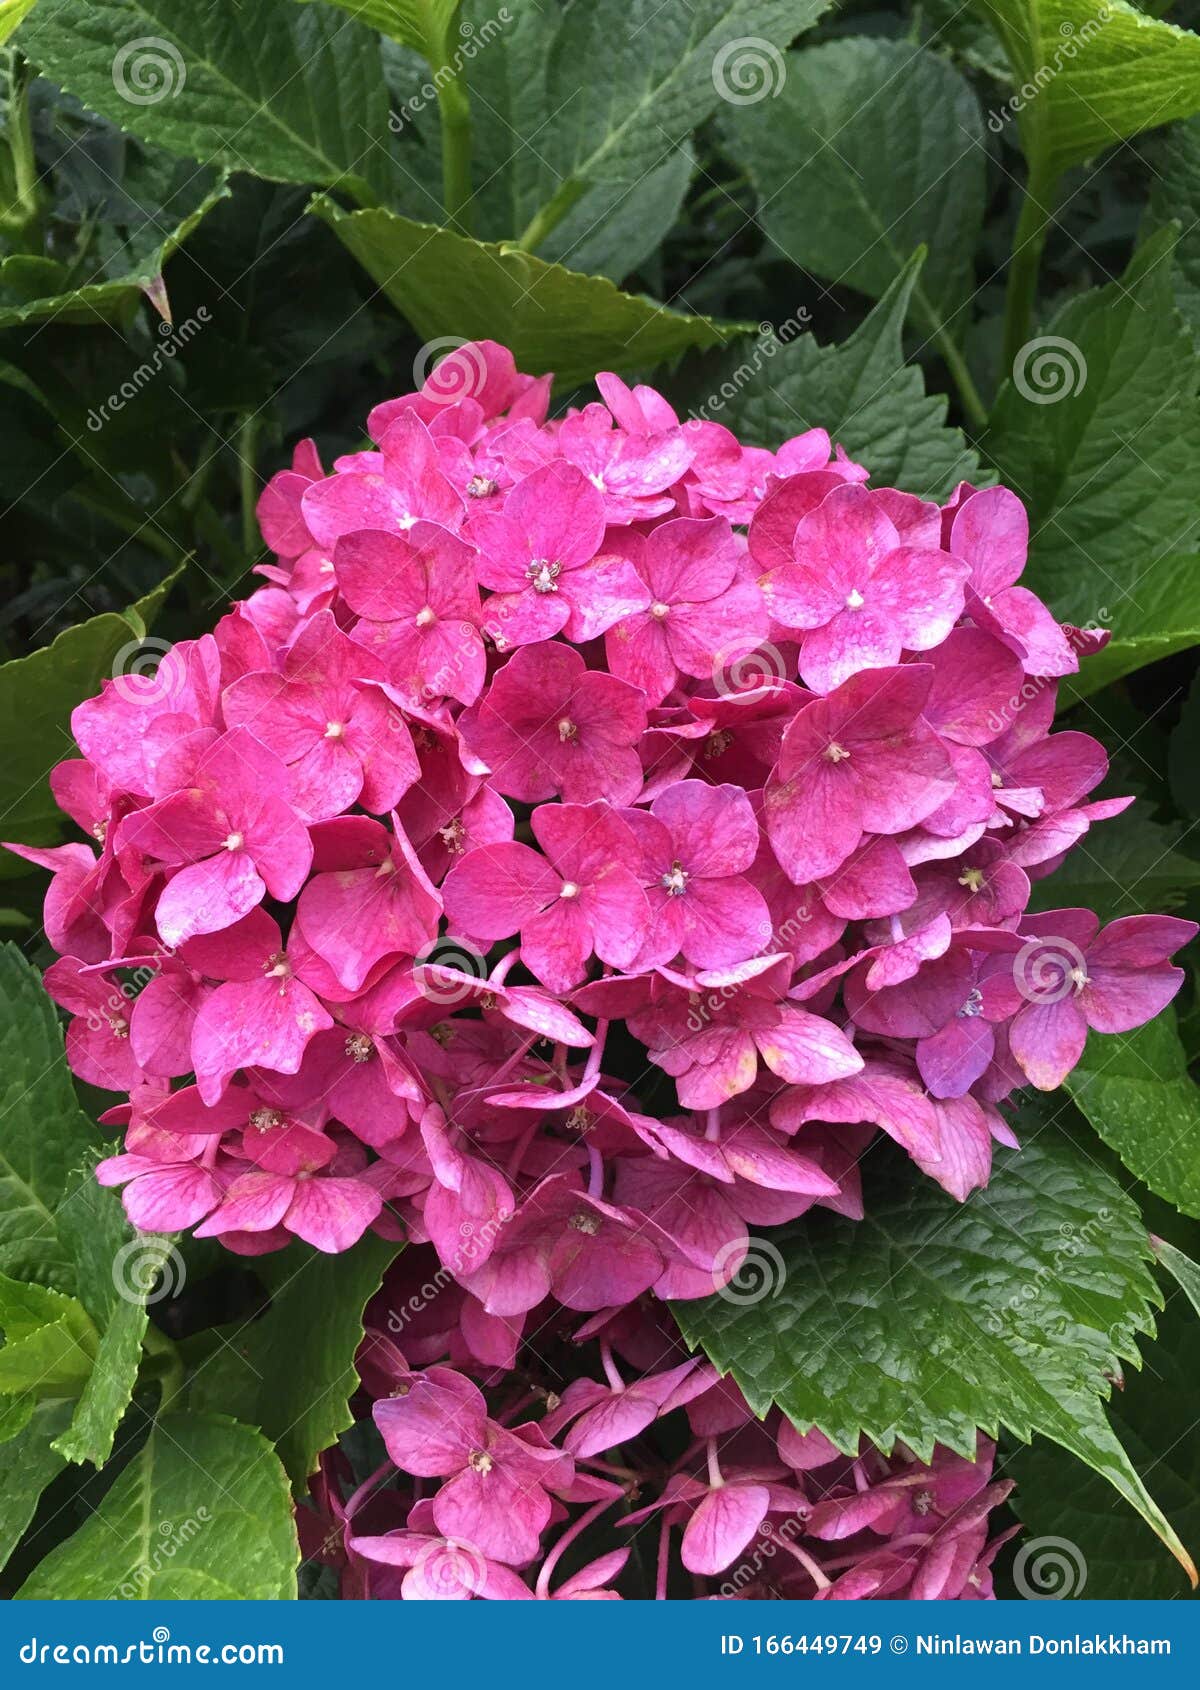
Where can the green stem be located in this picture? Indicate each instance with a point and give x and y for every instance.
(247, 451)
(168, 1365)
(551, 214)
(957, 365)
(1037, 210)
(20, 142)
(454, 108)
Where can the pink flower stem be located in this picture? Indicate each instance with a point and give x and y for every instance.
(806, 1561)
(611, 1371)
(368, 1486)
(664, 1561)
(542, 1588)
(505, 966)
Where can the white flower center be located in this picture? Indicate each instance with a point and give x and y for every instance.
(334, 730)
(426, 616)
(235, 842)
(835, 753)
(569, 889)
(658, 609)
(854, 599)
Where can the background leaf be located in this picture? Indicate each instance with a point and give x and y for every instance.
(43, 1133)
(1106, 467)
(551, 318)
(872, 149)
(291, 1372)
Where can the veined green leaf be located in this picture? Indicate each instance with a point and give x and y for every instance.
(292, 93)
(862, 391)
(201, 1513)
(1102, 441)
(1136, 1091)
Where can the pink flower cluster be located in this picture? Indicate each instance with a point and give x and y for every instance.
(593, 833)
(552, 1508)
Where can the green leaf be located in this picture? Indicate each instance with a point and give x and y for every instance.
(931, 1318)
(552, 319)
(12, 15)
(872, 148)
(43, 293)
(1135, 1090)
(1183, 1270)
(116, 1270)
(45, 1135)
(1107, 460)
(1166, 620)
(40, 691)
(1128, 865)
(1155, 1418)
(1092, 72)
(49, 1342)
(292, 1371)
(293, 94)
(861, 390)
(653, 73)
(28, 1462)
(201, 1512)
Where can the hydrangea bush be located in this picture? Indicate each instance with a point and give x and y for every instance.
(589, 840)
